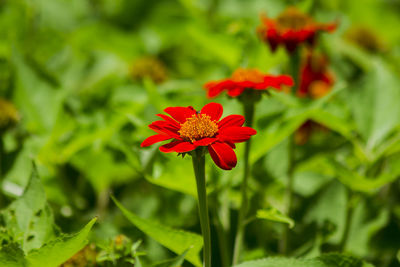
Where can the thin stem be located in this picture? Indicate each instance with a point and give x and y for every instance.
(294, 69)
(284, 244)
(2, 155)
(249, 115)
(349, 217)
(222, 238)
(198, 160)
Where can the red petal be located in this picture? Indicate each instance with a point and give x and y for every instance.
(231, 120)
(214, 88)
(154, 139)
(223, 155)
(165, 128)
(214, 110)
(169, 119)
(235, 91)
(180, 113)
(277, 81)
(177, 146)
(236, 134)
(204, 141)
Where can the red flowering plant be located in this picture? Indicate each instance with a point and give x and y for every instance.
(290, 29)
(192, 131)
(315, 78)
(247, 85)
(247, 79)
(315, 82)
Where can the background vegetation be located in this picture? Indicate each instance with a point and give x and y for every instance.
(88, 76)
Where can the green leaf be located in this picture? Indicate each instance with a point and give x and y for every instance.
(29, 219)
(12, 256)
(322, 210)
(212, 43)
(327, 260)
(175, 262)
(176, 240)
(60, 249)
(282, 262)
(374, 102)
(361, 183)
(275, 133)
(364, 227)
(275, 215)
(176, 174)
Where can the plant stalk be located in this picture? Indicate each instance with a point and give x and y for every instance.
(249, 115)
(198, 160)
(284, 244)
(294, 69)
(349, 218)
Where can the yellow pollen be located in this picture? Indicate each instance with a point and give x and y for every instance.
(241, 75)
(197, 127)
(292, 18)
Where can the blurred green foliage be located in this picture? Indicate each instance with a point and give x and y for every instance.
(71, 70)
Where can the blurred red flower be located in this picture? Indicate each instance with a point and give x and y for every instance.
(315, 82)
(290, 29)
(243, 79)
(191, 129)
(315, 78)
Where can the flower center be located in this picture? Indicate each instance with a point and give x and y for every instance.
(197, 127)
(241, 75)
(292, 18)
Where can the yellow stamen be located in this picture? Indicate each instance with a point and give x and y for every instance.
(241, 75)
(197, 127)
(292, 18)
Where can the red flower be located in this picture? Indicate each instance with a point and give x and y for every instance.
(243, 79)
(290, 29)
(191, 129)
(315, 80)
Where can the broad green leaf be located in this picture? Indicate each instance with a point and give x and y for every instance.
(11, 255)
(175, 262)
(275, 133)
(275, 215)
(327, 260)
(176, 174)
(363, 228)
(176, 240)
(40, 109)
(322, 210)
(361, 183)
(342, 260)
(333, 122)
(351, 51)
(374, 101)
(29, 219)
(212, 43)
(59, 250)
(108, 171)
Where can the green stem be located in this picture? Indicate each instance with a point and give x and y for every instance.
(198, 160)
(284, 244)
(222, 236)
(349, 217)
(249, 115)
(2, 155)
(294, 69)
